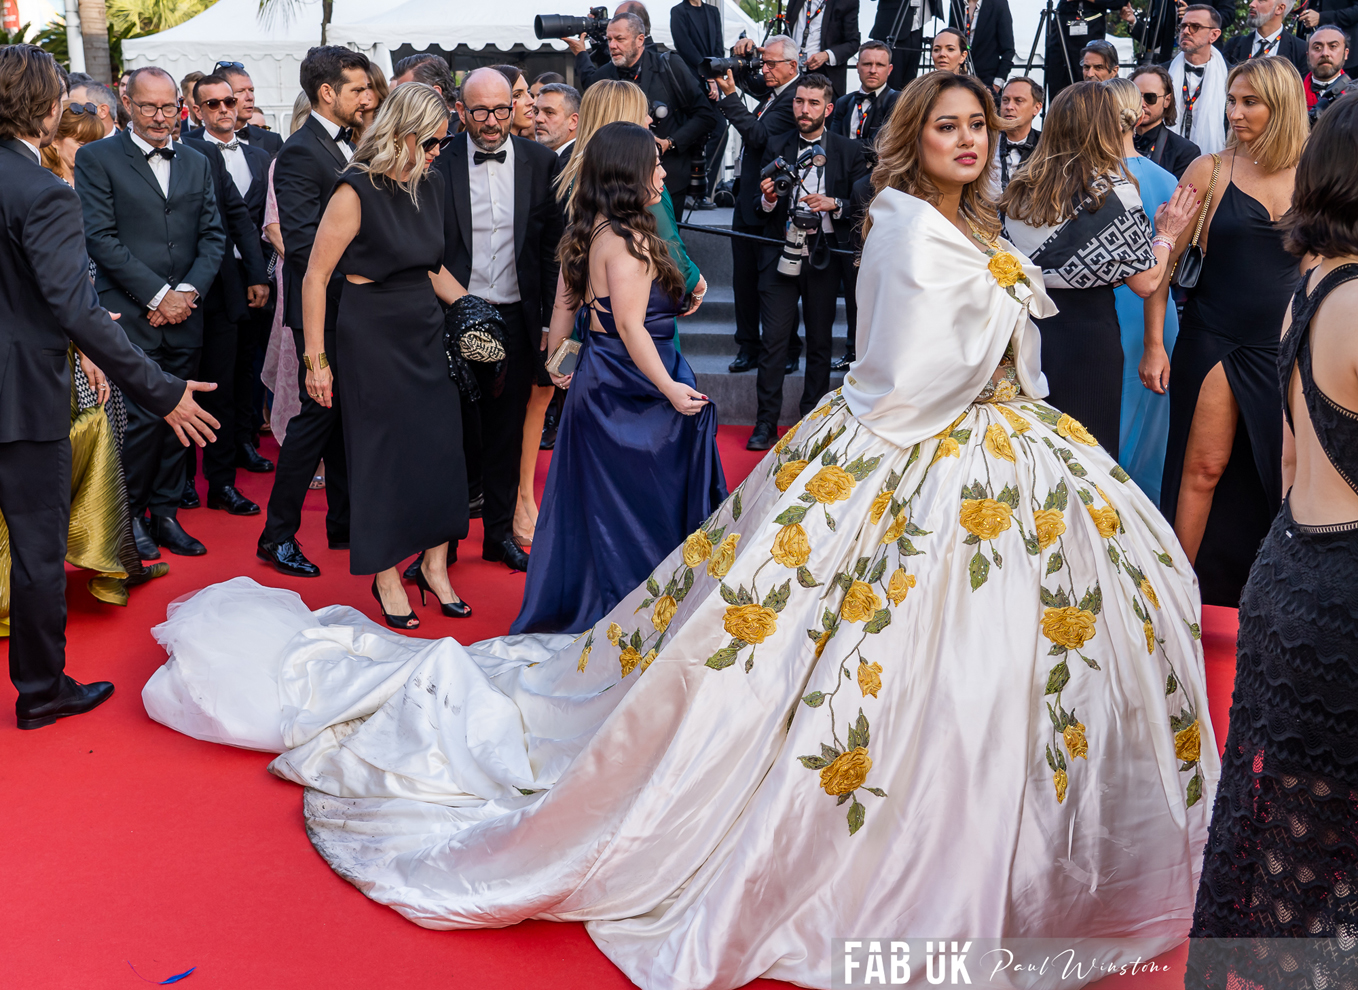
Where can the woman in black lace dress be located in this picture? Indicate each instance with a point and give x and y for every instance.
(1282, 855)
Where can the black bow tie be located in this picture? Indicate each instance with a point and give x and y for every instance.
(243, 135)
(485, 156)
(869, 97)
(345, 134)
(1145, 143)
(1195, 69)
(166, 153)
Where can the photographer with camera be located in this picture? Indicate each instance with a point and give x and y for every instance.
(806, 182)
(772, 119)
(593, 55)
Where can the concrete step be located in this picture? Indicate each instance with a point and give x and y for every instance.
(734, 395)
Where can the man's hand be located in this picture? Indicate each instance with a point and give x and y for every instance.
(743, 46)
(257, 296)
(726, 82)
(1128, 14)
(816, 59)
(819, 203)
(576, 45)
(1181, 6)
(190, 422)
(1310, 18)
(769, 190)
(712, 92)
(176, 307)
(665, 145)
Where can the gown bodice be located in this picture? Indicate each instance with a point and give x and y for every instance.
(660, 313)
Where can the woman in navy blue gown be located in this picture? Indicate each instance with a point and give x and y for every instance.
(635, 468)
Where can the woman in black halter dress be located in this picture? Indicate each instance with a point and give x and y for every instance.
(1281, 861)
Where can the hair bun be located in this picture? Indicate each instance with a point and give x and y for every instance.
(1128, 117)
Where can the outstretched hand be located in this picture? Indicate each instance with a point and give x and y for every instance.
(190, 421)
(1175, 215)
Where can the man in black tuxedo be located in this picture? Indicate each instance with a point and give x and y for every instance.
(1153, 138)
(772, 119)
(242, 285)
(696, 29)
(990, 38)
(153, 229)
(821, 193)
(48, 302)
(826, 32)
(1020, 106)
(502, 227)
(1267, 37)
(910, 39)
(244, 90)
(556, 115)
(335, 80)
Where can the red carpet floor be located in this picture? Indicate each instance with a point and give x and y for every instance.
(125, 842)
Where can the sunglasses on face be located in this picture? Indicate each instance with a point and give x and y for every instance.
(433, 142)
(1190, 28)
(226, 101)
(1150, 99)
(83, 108)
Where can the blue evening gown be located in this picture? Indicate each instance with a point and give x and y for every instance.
(631, 477)
(1144, 427)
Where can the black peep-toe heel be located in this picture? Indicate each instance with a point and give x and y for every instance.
(454, 610)
(395, 621)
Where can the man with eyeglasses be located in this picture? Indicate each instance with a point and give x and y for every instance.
(153, 230)
(1153, 138)
(243, 89)
(335, 80)
(502, 224)
(1198, 74)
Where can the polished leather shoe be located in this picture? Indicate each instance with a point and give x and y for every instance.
(763, 437)
(475, 506)
(141, 533)
(792, 365)
(74, 698)
(170, 535)
(231, 500)
(250, 459)
(743, 362)
(507, 551)
(842, 364)
(550, 422)
(287, 558)
(189, 499)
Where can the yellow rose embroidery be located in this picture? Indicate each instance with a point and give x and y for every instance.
(997, 443)
(786, 438)
(847, 772)
(1070, 627)
(629, 658)
(1105, 520)
(1060, 781)
(614, 633)
(820, 413)
(1005, 391)
(1076, 744)
(831, 484)
(787, 474)
(985, 517)
(1050, 524)
(1019, 424)
(899, 585)
(869, 678)
(860, 602)
(646, 660)
(751, 623)
(665, 607)
(696, 548)
(1188, 743)
(879, 506)
(1149, 630)
(723, 557)
(947, 447)
(1072, 429)
(1149, 592)
(897, 527)
(1007, 269)
(791, 547)
(584, 659)
(948, 429)
(821, 640)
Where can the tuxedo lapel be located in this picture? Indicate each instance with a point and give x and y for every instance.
(139, 164)
(20, 149)
(178, 166)
(331, 146)
(523, 189)
(460, 188)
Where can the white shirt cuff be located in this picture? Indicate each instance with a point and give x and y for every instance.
(156, 299)
(185, 287)
(766, 206)
(831, 57)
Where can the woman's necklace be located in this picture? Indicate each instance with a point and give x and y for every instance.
(980, 237)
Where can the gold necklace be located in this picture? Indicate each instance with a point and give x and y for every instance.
(993, 245)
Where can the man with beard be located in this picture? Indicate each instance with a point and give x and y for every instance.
(1153, 138)
(1267, 37)
(1198, 74)
(502, 225)
(1327, 51)
(1342, 14)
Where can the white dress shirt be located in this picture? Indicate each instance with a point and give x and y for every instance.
(857, 114)
(807, 36)
(332, 129)
(160, 168)
(33, 148)
(1270, 43)
(236, 165)
(494, 275)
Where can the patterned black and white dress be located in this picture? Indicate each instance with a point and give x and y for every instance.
(1082, 259)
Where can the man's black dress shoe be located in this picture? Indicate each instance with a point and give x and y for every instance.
(703, 204)
(550, 423)
(74, 698)
(763, 437)
(507, 551)
(842, 364)
(792, 365)
(475, 506)
(170, 535)
(250, 459)
(287, 558)
(231, 500)
(337, 541)
(189, 499)
(141, 533)
(743, 362)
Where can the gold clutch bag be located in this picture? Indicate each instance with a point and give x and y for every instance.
(562, 361)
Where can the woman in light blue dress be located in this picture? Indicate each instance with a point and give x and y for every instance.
(1144, 427)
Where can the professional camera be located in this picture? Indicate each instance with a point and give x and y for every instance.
(799, 226)
(658, 111)
(713, 67)
(782, 175)
(567, 26)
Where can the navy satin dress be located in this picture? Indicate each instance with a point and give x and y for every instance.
(630, 479)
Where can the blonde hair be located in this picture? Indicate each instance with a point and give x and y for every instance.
(900, 164)
(1126, 100)
(410, 109)
(301, 110)
(1278, 84)
(605, 102)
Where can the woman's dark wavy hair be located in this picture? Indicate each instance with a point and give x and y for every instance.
(1323, 219)
(614, 182)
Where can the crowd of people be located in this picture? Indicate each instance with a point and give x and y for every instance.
(428, 280)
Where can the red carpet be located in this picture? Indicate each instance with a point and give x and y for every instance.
(127, 842)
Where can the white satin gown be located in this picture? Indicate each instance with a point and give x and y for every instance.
(933, 669)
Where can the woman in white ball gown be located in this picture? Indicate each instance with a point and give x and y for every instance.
(932, 670)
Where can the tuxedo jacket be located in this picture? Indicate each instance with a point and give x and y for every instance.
(140, 239)
(252, 135)
(538, 223)
(773, 118)
(1289, 46)
(47, 301)
(242, 234)
(838, 34)
(844, 167)
(842, 118)
(304, 176)
(992, 38)
(1172, 152)
(697, 34)
(886, 17)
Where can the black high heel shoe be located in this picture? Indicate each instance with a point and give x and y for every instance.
(454, 610)
(395, 621)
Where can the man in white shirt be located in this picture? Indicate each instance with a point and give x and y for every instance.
(556, 115)
(1199, 76)
(1267, 37)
